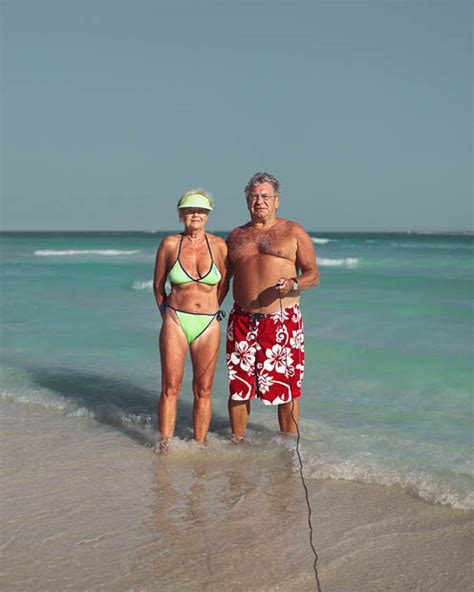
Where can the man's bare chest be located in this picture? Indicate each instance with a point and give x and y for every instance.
(251, 246)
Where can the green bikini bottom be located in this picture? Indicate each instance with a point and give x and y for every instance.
(194, 324)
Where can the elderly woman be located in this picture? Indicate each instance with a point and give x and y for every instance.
(194, 263)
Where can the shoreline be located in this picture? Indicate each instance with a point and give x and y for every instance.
(90, 509)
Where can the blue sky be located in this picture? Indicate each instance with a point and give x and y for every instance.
(113, 108)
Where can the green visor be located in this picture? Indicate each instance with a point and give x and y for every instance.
(195, 200)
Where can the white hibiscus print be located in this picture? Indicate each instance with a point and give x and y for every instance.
(265, 381)
(297, 340)
(296, 318)
(278, 358)
(300, 367)
(239, 396)
(243, 356)
(231, 372)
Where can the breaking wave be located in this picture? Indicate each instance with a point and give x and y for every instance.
(415, 482)
(347, 262)
(322, 241)
(143, 285)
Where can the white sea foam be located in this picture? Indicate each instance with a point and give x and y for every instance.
(48, 400)
(416, 482)
(349, 262)
(143, 285)
(143, 419)
(81, 412)
(321, 460)
(76, 252)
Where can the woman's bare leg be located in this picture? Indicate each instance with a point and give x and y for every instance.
(173, 347)
(204, 354)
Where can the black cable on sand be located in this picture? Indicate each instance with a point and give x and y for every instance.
(310, 525)
(308, 503)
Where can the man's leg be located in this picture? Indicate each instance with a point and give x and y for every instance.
(239, 412)
(239, 347)
(288, 414)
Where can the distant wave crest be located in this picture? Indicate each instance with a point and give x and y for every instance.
(322, 241)
(75, 252)
(347, 262)
(143, 285)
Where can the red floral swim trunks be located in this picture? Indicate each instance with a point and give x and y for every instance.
(265, 355)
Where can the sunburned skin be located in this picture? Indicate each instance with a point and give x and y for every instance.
(271, 260)
(196, 260)
(259, 258)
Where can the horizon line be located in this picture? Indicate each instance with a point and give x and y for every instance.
(147, 231)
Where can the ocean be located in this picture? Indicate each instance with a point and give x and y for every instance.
(386, 407)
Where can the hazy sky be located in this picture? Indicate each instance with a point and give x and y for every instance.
(113, 108)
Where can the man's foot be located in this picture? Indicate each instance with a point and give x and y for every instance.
(237, 439)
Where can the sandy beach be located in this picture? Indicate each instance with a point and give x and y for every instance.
(91, 507)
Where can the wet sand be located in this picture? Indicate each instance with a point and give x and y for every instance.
(91, 507)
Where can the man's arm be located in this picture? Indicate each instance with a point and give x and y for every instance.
(224, 268)
(306, 260)
(229, 270)
(305, 263)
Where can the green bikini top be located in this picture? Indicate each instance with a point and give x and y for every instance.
(178, 275)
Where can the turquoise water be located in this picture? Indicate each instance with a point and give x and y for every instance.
(389, 348)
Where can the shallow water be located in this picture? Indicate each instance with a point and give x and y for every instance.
(388, 382)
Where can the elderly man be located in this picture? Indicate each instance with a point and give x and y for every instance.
(272, 261)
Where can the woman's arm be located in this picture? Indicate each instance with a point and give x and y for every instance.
(161, 272)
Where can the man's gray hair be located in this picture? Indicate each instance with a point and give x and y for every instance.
(259, 178)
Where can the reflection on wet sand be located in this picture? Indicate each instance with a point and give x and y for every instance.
(218, 514)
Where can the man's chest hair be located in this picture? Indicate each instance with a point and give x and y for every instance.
(249, 243)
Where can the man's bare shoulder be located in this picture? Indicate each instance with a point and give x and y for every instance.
(294, 228)
(290, 224)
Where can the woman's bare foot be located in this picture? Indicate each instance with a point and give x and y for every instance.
(163, 445)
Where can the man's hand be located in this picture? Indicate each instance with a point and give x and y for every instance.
(285, 286)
